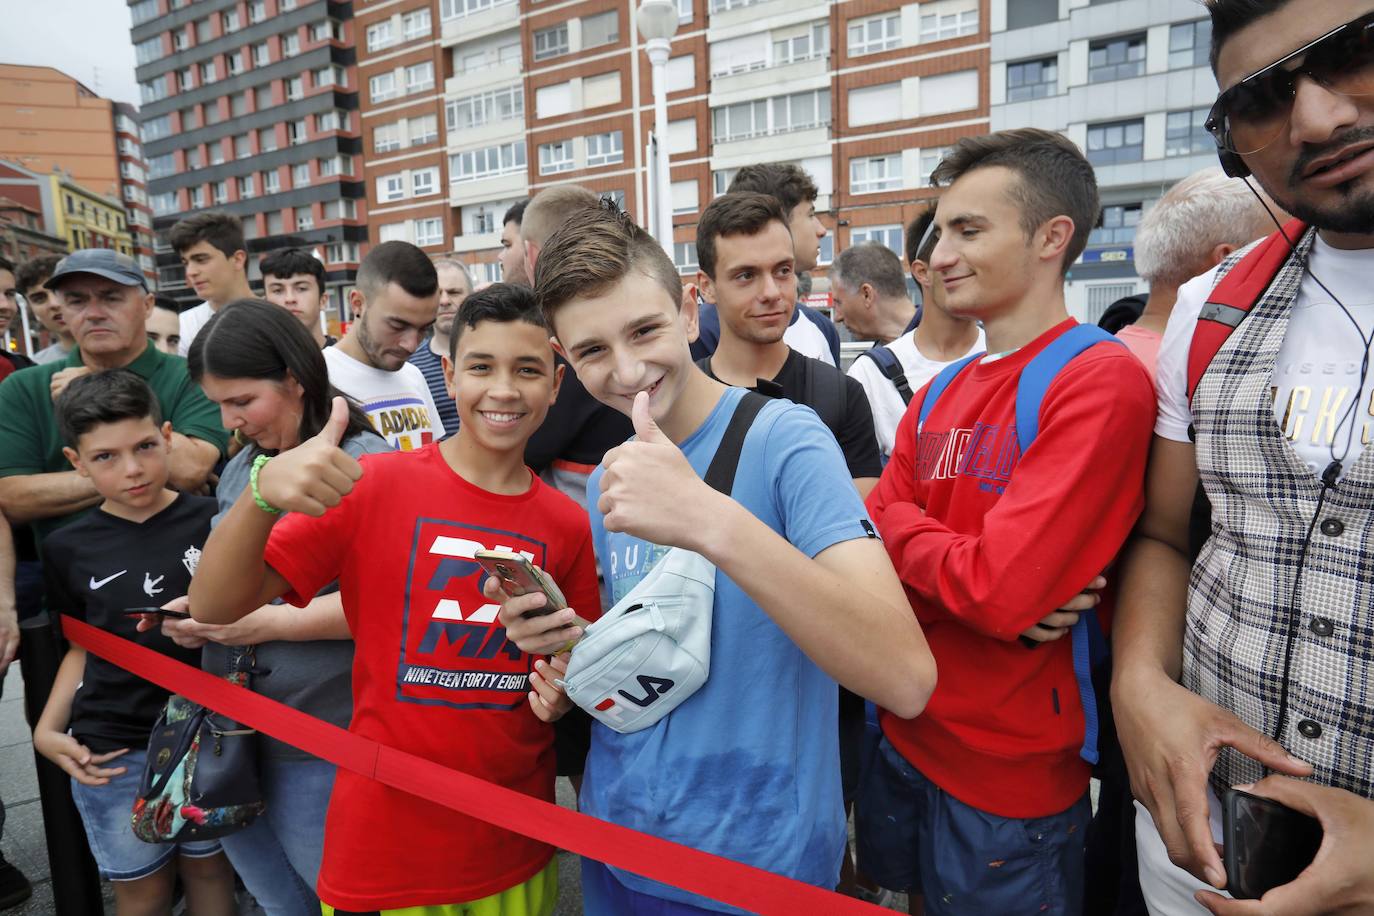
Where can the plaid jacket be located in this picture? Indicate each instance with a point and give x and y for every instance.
(1240, 610)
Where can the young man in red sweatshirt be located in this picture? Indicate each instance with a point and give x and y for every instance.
(981, 803)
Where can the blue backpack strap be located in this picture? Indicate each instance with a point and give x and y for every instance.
(891, 368)
(1035, 380)
(938, 386)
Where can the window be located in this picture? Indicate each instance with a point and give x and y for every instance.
(551, 42)
(1116, 226)
(491, 56)
(216, 149)
(300, 174)
(391, 188)
(290, 44)
(948, 92)
(295, 88)
(186, 79)
(230, 20)
(233, 63)
(606, 149)
(685, 196)
(891, 236)
(382, 87)
(739, 55)
(305, 220)
(682, 136)
(335, 165)
(145, 52)
(143, 11)
(555, 157)
(685, 257)
(771, 116)
(1116, 59)
(341, 253)
(1032, 79)
(1185, 133)
(420, 77)
(452, 9)
(341, 209)
(424, 182)
(601, 90)
(164, 203)
(684, 11)
(326, 30)
(485, 163)
(271, 182)
(1190, 44)
(1119, 141)
(1026, 13)
(485, 107)
(331, 120)
(262, 54)
(267, 139)
(243, 146)
(429, 231)
(380, 35)
(238, 104)
(205, 31)
(930, 158)
(329, 76)
(815, 43)
(193, 158)
(296, 132)
(157, 128)
(154, 90)
(160, 166)
(425, 129)
(257, 10)
(941, 26)
(601, 29)
(874, 104)
(875, 173)
(197, 195)
(245, 187)
(681, 73)
(386, 137)
(877, 33)
(392, 232)
(415, 25)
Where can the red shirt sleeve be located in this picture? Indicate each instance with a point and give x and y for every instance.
(309, 553)
(1072, 500)
(575, 573)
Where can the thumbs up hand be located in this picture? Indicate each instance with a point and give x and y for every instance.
(315, 475)
(649, 490)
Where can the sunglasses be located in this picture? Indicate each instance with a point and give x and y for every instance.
(1254, 112)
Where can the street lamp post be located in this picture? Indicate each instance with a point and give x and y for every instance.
(657, 22)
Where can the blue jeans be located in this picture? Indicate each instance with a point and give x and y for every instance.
(278, 855)
(912, 835)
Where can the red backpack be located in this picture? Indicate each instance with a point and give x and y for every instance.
(1235, 295)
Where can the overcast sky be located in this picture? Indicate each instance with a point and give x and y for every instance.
(86, 39)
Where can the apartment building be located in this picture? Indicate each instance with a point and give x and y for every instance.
(251, 106)
(1129, 81)
(52, 124)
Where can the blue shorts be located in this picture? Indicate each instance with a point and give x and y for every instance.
(604, 895)
(912, 835)
(107, 815)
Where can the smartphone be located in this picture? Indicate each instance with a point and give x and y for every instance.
(160, 611)
(518, 576)
(1266, 844)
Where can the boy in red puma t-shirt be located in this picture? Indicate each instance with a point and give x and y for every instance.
(433, 672)
(989, 542)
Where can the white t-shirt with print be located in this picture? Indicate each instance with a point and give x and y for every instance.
(192, 320)
(887, 404)
(398, 403)
(1318, 368)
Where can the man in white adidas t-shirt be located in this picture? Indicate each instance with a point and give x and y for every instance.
(870, 293)
(394, 306)
(1253, 657)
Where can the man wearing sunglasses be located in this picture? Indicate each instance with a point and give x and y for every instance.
(1255, 659)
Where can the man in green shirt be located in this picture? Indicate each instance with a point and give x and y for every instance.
(105, 304)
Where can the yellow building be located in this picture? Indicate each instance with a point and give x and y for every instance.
(87, 219)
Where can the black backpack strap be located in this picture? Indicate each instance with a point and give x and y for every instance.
(721, 474)
(891, 368)
(824, 395)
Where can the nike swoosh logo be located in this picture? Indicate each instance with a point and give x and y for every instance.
(107, 580)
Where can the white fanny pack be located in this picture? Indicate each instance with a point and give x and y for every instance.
(652, 650)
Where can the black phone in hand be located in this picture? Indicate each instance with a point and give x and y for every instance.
(1266, 844)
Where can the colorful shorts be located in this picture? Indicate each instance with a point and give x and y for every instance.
(535, 897)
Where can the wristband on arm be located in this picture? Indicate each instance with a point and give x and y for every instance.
(263, 504)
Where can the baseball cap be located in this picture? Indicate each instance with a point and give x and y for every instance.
(103, 262)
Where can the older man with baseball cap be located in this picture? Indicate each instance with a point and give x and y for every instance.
(105, 303)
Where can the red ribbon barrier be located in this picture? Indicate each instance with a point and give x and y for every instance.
(672, 863)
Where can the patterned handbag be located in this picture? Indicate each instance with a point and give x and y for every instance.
(200, 780)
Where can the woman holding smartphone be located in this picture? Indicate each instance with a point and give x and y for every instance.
(268, 376)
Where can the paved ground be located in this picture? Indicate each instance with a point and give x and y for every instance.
(24, 843)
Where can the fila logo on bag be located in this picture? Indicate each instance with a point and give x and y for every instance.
(653, 687)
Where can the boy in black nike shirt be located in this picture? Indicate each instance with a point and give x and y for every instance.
(138, 549)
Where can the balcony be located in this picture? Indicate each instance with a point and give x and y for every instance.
(485, 241)
(505, 14)
(787, 146)
(746, 86)
(732, 18)
(502, 186)
(492, 77)
(488, 134)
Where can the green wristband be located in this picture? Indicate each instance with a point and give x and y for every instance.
(263, 504)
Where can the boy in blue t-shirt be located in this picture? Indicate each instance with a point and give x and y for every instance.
(748, 766)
